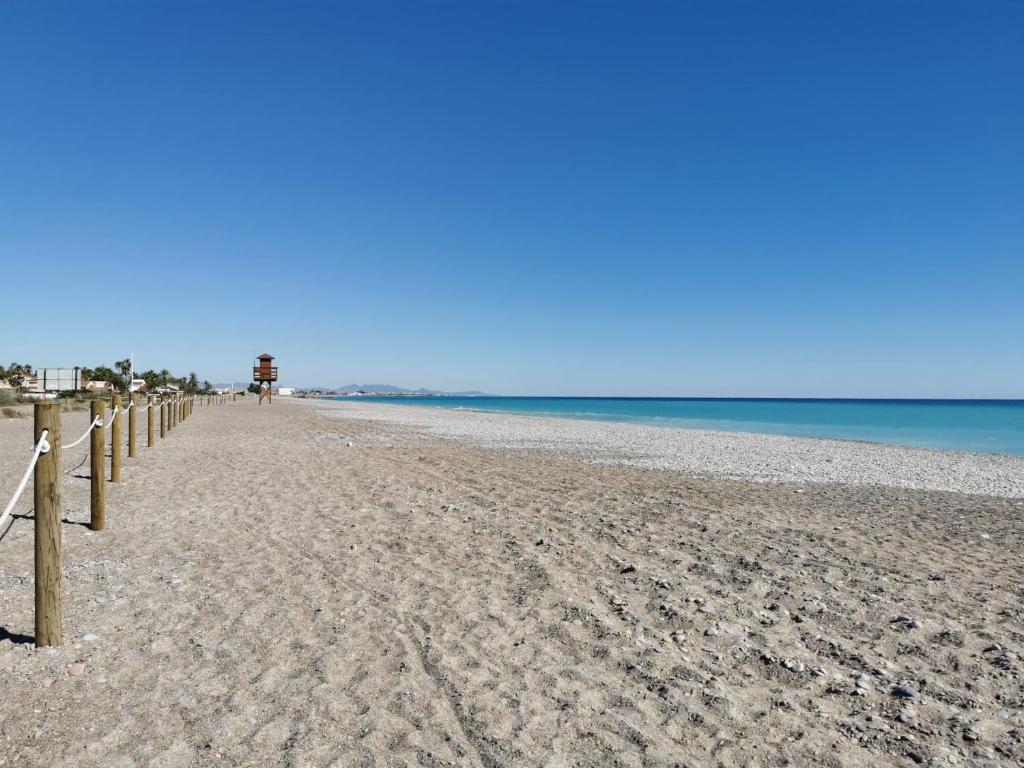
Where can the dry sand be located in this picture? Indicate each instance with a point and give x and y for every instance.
(266, 594)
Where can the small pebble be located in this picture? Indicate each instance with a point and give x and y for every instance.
(906, 692)
(77, 669)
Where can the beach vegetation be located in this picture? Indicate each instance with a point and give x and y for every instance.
(103, 373)
(15, 374)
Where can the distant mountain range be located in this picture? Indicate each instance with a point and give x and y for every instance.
(391, 389)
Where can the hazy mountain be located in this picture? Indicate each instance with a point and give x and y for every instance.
(391, 389)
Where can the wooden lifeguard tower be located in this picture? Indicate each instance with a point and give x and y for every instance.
(263, 375)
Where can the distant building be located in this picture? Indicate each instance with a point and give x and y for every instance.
(138, 385)
(167, 389)
(286, 391)
(99, 386)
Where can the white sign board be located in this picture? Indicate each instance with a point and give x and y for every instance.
(59, 379)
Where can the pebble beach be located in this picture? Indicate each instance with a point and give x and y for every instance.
(735, 455)
(321, 583)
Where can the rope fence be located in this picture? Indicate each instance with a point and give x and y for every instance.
(85, 434)
(45, 466)
(41, 447)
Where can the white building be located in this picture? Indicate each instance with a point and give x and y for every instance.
(286, 391)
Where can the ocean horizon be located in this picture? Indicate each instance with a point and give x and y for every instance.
(978, 425)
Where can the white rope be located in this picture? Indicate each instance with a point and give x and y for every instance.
(41, 447)
(110, 421)
(96, 420)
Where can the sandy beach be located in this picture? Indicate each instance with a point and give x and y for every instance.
(351, 584)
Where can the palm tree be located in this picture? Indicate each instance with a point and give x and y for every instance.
(165, 376)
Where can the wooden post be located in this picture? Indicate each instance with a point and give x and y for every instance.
(232, 396)
(48, 523)
(115, 441)
(150, 422)
(173, 418)
(163, 419)
(132, 419)
(97, 497)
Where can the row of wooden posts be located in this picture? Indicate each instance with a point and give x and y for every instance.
(48, 475)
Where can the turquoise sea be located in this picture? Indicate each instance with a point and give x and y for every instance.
(992, 426)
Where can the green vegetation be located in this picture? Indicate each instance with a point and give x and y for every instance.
(17, 374)
(102, 373)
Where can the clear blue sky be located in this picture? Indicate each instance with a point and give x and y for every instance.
(712, 198)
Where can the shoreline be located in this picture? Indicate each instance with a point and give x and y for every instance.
(752, 456)
(899, 435)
